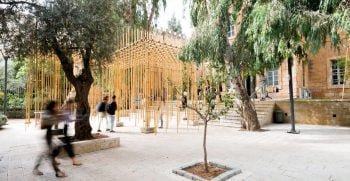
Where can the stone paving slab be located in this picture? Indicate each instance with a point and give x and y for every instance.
(318, 153)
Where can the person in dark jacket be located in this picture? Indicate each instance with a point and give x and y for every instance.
(112, 107)
(101, 110)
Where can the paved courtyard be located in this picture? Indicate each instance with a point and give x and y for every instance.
(318, 153)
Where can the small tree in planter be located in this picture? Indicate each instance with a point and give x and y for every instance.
(210, 111)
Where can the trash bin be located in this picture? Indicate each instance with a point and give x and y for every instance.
(278, 117)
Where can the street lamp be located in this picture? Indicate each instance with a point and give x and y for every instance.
(5, 82)
(291, 99)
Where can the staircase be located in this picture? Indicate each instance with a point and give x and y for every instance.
(264, 110)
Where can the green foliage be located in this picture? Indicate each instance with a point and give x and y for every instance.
(210, 83)
(16, 102)
(3, 120)
(269, 31)
(141, 13)
(74, 27)
(174, 25)
(16, 84)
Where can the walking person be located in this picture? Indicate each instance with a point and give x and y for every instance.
(102, 115)
(161, 112)
(49, 118)
(67, 116)
(112, 107)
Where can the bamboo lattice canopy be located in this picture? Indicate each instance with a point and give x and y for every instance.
(139, 74)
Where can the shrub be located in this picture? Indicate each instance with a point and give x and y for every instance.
(3, 120)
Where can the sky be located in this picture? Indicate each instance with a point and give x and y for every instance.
(181, 12)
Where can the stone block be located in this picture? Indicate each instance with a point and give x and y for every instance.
(119, 124)
(147, 130)
(88, 146)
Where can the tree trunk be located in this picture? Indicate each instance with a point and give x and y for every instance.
(205, 146)
(82, 124)
(82, 84)
(82, 87)
(132, 12)
(248, 112)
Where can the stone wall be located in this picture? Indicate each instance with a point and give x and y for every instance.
(319, 74)
(323, 112)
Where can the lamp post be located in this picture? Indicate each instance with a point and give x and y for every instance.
(5, 82)
(5, 85)
(291, 99)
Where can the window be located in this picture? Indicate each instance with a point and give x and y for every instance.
(231, 31)
(337, 72)
(272, 77)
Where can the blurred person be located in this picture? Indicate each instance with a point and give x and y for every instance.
(102, 115)
(67, 116)
(49, 118)
(161, 112)
(112, 107)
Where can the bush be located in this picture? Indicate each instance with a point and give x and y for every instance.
(3, 120)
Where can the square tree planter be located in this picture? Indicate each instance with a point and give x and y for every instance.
(88, 146)
(228, 172)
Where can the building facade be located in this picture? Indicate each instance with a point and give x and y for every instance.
(321, 77)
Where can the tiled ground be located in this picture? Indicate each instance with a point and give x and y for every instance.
(318, 153)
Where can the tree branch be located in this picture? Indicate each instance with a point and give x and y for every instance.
(145, 12)
(197, 111)
(66, 63)
(13, 3)
(153, 9)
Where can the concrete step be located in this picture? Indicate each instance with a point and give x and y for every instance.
(238, 116)
(237, 113)
(239, 119)
(230, 124)
(256, 108)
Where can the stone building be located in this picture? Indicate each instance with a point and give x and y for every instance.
(321, 77)
(321, 94)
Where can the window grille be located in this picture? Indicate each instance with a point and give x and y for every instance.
(337, 72)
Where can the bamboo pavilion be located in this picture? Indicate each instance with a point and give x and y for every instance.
(145, 75)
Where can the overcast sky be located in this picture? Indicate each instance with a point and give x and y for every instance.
(181, 12)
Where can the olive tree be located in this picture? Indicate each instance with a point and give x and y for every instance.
(79, 28)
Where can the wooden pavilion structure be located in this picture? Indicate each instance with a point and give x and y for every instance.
(145, 75)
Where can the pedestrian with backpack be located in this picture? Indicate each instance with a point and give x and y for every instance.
(102, 115)
(112, 107)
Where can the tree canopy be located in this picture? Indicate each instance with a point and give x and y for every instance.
(72, 27)
(174, 25)
(141, 13)
(266, 31)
